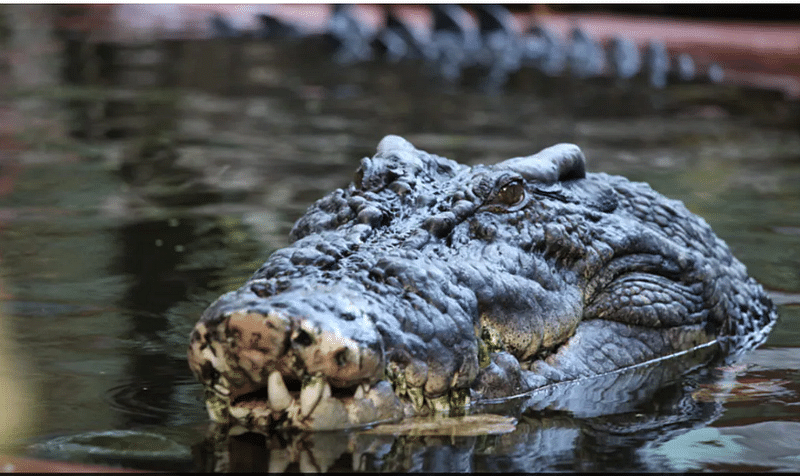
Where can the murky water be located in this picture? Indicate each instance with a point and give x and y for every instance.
(126, 210)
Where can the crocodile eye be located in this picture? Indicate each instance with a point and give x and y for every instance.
(511, 193)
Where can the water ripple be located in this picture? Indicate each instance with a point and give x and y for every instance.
(176, 403)
(127, 448)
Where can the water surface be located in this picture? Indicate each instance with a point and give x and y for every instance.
(137, 204)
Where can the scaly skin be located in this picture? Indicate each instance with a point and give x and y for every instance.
(427, 285)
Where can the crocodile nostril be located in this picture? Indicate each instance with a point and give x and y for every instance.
(302, 338)
(341, 357)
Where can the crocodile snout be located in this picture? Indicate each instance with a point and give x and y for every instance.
(305, 359)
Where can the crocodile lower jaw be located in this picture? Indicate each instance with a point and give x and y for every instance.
(318, 406)
(314, 407)
(263, 389)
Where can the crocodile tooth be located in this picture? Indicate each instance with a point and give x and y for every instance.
(277, 393)
(439, 404)
(239, 413)
(417, 398)
(326, 390)
(221, 390)
(310, 395)
(359, 393)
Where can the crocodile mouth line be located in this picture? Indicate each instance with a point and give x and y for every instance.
(315, 404)
(282, 392)
(271, 388)
(261, 387)
(312, 403)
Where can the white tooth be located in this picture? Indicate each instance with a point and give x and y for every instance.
(326, 391)
(439, 404)
(222, 390)
(277, 393)
(417, 398)
(239, 413)
(310, 395)
(359, 392)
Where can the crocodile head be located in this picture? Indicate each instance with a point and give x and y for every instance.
(427, 285)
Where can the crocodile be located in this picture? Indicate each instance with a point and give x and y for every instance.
(428, 286)
(489, 40)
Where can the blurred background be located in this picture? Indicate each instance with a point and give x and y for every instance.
(152, 156)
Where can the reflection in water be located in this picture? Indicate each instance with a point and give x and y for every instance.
(166, 192)
(138, 449)
(16, 416)
(759, 446)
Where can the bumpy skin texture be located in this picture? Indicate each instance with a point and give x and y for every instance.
(427, 285)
